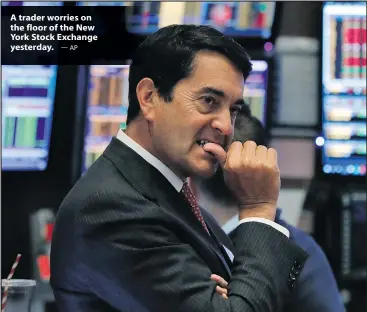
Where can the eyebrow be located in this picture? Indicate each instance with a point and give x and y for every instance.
(220, 94)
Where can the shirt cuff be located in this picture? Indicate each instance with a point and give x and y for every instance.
(276, 226)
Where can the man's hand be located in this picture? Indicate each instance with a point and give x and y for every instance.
(251, 172)
(222, 289)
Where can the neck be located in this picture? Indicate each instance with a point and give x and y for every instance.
(138, 130)
(222, 213)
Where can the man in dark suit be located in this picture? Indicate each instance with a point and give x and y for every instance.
(316, 289)
(130, 237)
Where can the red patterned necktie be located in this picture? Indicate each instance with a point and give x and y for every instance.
(186, 191)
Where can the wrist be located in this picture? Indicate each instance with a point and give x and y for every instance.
(264, 210)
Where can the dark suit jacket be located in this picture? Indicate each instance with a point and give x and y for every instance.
(126, 240)
(316, 289)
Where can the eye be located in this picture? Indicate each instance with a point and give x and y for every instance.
(209, 100)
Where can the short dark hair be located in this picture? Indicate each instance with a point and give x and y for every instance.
(167, 57)
(247, 128)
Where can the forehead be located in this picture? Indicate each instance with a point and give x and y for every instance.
(215, 70)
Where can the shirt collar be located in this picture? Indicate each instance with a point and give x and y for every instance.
(176, 182)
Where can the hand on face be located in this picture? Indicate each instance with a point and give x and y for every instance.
(251, 172)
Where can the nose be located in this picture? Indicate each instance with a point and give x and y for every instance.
(223, 122)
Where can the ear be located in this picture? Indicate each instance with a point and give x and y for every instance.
(145, 92)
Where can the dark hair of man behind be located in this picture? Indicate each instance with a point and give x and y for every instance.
(167, 57)
(247, 128)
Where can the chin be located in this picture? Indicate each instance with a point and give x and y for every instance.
(205, 171)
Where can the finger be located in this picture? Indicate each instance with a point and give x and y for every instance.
(234, 154)
(261, 153)
(272, 156)
(217, 151)
(249, 150)
(224, 296)
(221, 291)
(220, 280)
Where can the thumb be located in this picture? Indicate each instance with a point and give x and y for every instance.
(217, 151)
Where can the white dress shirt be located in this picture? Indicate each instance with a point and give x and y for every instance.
(232, 223)
(177, 182)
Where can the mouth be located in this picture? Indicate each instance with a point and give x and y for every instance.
(202, 142)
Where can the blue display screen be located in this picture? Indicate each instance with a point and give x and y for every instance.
(102, 3)
(28, 95)
(255, 92)
(31, 3)
(344, 88)
(106, 111)
(239, 19)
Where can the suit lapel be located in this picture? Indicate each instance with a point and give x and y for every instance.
(223, 242)
(221, 252)
(185, 212)
(149, 182)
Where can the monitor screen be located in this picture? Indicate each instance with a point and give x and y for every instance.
(107, 104)
(28, 94)
(238, 19)
(31, 3)
(106, 112)
(344, 88)
(256, 90)
(103, 3)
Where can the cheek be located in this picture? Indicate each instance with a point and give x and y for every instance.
(200, 121)
(173, 133)
(182, 123)
(195, 127)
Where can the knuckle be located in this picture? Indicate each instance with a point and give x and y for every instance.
(249, 145)
(235, 146)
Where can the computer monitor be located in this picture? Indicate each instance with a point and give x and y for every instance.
(107, 104)
(344, 88)
(106, 111)
(32, 3)
(238, 19)
(255, 93)
(28, 95)
(103, 3)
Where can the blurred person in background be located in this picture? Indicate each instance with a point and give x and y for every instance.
(129, 236)
(316, 290)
